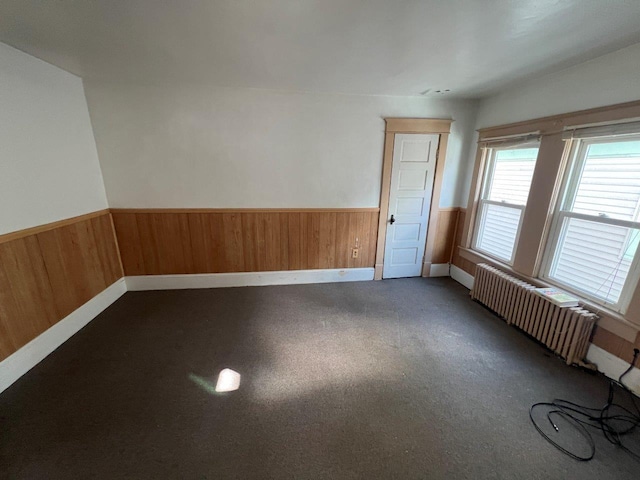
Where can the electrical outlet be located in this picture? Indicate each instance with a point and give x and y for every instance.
(354, 253)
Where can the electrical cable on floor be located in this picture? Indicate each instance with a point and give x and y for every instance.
(614, 420)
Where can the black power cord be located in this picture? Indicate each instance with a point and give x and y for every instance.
(613, 420)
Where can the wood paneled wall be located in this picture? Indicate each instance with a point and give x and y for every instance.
(615, 344)
(156, 242)
(456, 259)
(49, 271)
(445, 234)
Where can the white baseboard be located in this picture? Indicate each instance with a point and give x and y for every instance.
(439, 270)
(462, 277)
(27, 357)
(613, 367)
(247, 279)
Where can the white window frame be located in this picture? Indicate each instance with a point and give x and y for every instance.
(487, 180)
(569, 187)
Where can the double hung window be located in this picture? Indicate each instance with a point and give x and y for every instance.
(593, 244)
(503, 199)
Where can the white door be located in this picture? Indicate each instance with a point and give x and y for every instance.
(414, 165)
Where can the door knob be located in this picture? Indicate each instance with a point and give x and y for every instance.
(392, 220)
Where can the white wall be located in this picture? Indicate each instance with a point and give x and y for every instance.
(606, 80)
(49, 167)
(199, 146)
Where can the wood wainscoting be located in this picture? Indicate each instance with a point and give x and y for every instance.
(49, 271)
(190, 241)
(448, 219)
(456, 258)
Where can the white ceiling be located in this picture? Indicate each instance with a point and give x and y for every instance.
(386, 47)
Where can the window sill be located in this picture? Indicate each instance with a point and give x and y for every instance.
(490, 258)
(625, 327)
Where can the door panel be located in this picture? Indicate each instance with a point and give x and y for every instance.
(413, 170)
(409, 206)
(407, 232)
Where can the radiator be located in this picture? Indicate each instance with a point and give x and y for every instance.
(566, 330)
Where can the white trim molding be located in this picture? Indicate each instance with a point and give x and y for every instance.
(20, 362)
(247, 279)
(462, 277)
(613, 367)
(439, 270)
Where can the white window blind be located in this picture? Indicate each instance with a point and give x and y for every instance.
(600, 131)
(507, 180)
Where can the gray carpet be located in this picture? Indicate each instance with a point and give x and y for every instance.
(396, 379)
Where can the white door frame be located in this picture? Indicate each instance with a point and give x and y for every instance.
(441, 127)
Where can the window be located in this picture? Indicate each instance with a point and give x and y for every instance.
(503, 199)
(594, 238)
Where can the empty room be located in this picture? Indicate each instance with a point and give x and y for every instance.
(320, 239)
